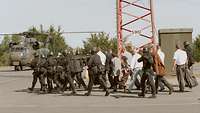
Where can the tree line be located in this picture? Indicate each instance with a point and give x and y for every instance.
(58, 44)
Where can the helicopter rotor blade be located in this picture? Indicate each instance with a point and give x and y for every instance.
(10, 34)
(82, 32)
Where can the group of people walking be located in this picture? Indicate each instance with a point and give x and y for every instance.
(144, 69)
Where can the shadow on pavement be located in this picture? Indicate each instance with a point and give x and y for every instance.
(186, 91)
(36, 90)
(18, 76)
(124, 96)
(68, 94)
(14, 70)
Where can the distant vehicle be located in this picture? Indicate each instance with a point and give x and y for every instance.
(21, 56)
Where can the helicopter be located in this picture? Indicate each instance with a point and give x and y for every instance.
(21, 54)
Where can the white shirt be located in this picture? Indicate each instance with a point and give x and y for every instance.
(161, 55)
(135, 63)
(129, 56)
(102, 57)
(117, 65)
(180, 57)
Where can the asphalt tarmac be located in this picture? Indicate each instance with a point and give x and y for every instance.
(15, 98)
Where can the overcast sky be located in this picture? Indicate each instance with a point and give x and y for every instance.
(90, 15)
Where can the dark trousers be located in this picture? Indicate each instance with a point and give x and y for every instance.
(58, 78)
(116, 82)
(92, 78)
(50, 77)
(38, 75)
(162, 80)
(80, 80)
(70, 81)
(50, 81)
(180, 73)
(110, 78)
(148, 75)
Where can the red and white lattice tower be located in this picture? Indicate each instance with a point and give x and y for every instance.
(135, 19)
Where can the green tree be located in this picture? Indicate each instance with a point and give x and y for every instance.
(101, 40)
(4, 49)
(196, 48)
(52, 38)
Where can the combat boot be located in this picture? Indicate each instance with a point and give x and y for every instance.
(141, 95)
(30, 89)
(170, 91)
(152, 96)
(107, 93)
(87, 94)
(73, 93)
(115, 88)
(85, 88)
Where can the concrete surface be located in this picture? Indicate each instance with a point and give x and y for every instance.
(14, 98)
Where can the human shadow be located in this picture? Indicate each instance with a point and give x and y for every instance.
(124, 96)
(37, 91)
(18, 76)
(185, 91)
(12, 70)
(78, 94)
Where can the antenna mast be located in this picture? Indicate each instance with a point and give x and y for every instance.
(135, 19)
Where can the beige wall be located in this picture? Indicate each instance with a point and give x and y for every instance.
(168, 38)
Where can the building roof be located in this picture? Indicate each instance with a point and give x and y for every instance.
(176, 30)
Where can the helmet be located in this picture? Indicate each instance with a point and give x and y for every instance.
(43, 56)
(36, 54)
(59, 54)
(186, 43)
(51, 54)
(145, 50)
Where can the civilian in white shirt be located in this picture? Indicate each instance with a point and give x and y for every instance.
(161, 54)
(136, 70)
(180, 59)
(102, 56)
(103, 62)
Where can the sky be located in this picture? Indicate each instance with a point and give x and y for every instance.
(90, 15)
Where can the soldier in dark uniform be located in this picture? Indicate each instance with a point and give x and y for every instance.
(96, 70)
(39, 72)
(59, 76)
(51, 63)
(66, 63)
(109, 68)
(189, 52)
(77, 68)
(147, 60)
